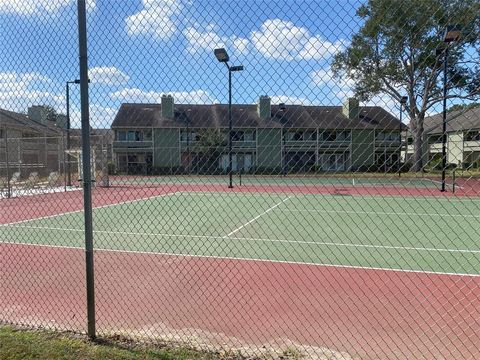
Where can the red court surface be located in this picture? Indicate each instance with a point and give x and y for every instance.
(367, 313)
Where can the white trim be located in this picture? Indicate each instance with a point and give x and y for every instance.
(285, 262)
(382, 213)
(98, 207)
(257, 217)
(285, 241)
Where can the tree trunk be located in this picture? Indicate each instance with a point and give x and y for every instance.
(419, 144)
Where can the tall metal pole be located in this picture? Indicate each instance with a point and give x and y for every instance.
(400, 152)
(87, 175)
(444, 138)
(67, 93)
(188, 146)
(64, 162)
(9, 193)
(230, 163)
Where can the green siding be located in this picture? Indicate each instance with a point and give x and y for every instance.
(166, 143)
(362, 148)
(269, 148)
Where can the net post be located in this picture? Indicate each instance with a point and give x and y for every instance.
(454, 179)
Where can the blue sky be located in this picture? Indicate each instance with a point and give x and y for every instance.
(139, 49)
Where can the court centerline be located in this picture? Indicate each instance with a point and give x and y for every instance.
(257, 217)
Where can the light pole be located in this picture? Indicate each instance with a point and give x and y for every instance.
(67, 96)
(67, 93)
(222, 56)
(403, 102)
(452, 34)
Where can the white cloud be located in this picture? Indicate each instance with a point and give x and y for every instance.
(19, 91)
(101, 117)
(108, 76)
(282, 40)
(208, 39)
(317, 48)
(155, 19)
(183, 97)
(34, 7)
(338, 90)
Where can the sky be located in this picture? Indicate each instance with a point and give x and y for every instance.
(141, 49)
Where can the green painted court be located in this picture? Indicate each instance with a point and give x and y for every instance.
(359, 231)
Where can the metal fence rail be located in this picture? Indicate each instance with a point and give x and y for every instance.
(288, 178)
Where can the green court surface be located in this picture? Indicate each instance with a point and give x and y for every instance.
(422, 234)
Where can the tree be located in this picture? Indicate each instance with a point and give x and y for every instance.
(211, 143)
(464, 107)
(394, 54)
(50, 114)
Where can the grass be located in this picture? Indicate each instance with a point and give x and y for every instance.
(23, 344)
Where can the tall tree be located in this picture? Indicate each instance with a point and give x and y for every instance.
(394, 53)
(50, 114)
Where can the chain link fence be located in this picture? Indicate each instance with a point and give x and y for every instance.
(274, 179)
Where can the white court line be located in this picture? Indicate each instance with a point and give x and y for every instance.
(257, 217)
(285, 262)
(98, 207)
(380, 213)
(304, 242)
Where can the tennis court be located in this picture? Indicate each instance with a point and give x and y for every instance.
(390, 233)
(344, 265)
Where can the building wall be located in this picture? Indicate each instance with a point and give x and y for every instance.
(363, 142)
(455, 148)
(269, 148)
(166, 145)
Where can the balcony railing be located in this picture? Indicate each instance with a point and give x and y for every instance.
(471, 145)
(132, 144)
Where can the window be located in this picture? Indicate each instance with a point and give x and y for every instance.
(28, 135)
(121, 136)
(192, 136)
(334, 162)
(301, 135)
(238, 136)
(249, 135)
(147, 135)
(436, 139)
(386, 159)
(328, 136)
(1, 134)
(134, 135)
(472, 136)
(310, 136)
(388, 136)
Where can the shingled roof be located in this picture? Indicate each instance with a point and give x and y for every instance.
(459, 120)
(22, 121)
(246, 116)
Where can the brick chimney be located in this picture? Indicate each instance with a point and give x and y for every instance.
(167, 106)
(264, 107)
(351, 108)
